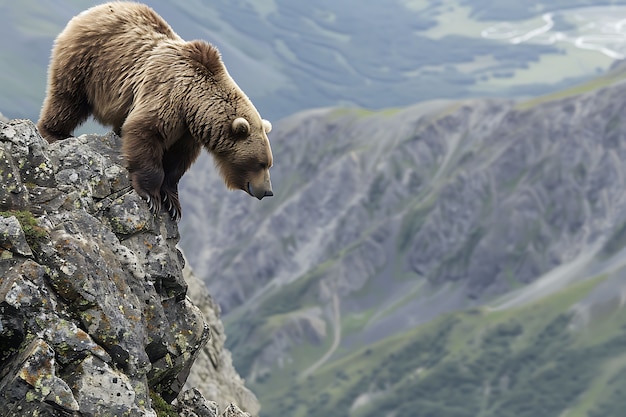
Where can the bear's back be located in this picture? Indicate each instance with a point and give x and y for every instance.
(107, 48)
(117, 18)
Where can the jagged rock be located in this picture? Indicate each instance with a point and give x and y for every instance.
(192, 404)
(233, 411)
(94, 313)
(12, 237)
(213, 372)
(13, 193)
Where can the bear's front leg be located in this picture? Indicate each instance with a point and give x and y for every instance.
(143, 151)
(176, 161)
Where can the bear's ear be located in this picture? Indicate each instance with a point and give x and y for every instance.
(240, 127)
(267, 126)
(206, 55)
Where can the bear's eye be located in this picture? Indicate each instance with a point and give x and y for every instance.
(262, 165)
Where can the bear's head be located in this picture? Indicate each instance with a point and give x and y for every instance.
(228, 124)
(245, 162)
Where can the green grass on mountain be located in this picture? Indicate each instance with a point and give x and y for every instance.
(257, 326)
(34, 234)
(592, 85)
(534, 361)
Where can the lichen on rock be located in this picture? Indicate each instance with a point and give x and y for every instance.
(94, 313)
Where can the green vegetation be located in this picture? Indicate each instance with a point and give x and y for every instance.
(592, 85)
(240, 334)
(33, 232)
(162, 408)
(533, 361)
(254, 326)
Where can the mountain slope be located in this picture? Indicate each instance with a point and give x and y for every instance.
(384, 221)
(409, 183)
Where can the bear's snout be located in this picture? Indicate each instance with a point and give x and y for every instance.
(261, 188)
(260, 192)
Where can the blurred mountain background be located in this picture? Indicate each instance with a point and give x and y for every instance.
(448, 232)
(294, 55)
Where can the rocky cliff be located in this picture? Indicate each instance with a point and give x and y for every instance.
(96, 317)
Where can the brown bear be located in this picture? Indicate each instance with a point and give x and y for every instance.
(167, 98)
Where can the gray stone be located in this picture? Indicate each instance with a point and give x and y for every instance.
(31, 376)
(193, 404)
(93, 307)
(233, 411)
(12, 237)
(103, 390)
(13, 193)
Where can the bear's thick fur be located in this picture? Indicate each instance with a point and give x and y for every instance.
(167, 98)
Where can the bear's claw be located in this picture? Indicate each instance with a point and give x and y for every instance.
(174, 213)
(154, 205)
(173, 206)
